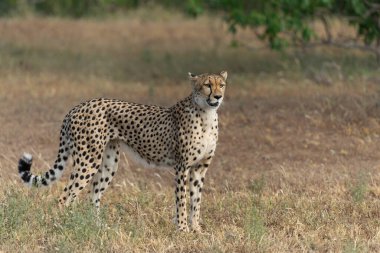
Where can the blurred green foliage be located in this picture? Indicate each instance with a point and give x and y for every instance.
(67, 8)
(78, 8)
(278, 22)
(292, 17)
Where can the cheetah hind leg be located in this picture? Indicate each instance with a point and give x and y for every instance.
(83, 171)
(103, 177)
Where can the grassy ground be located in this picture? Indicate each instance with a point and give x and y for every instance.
(296, 169)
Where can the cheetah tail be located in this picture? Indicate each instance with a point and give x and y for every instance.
(24, 166)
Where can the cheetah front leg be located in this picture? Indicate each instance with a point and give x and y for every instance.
(197, 175)
(182, 172)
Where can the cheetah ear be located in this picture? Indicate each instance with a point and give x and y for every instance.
(224, 74)
(192, 77)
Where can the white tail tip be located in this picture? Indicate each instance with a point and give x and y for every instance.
(27, 157)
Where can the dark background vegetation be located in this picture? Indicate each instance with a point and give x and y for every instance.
(278, 22)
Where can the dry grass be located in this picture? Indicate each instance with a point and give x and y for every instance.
(296, 168)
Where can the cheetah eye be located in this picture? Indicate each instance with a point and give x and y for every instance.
(222, 85)
(208, 85)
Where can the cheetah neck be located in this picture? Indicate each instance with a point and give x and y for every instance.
(209, 115)
(209, 119)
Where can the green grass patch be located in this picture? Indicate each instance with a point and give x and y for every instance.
(359, 188)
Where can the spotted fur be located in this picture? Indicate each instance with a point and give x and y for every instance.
(183, 136)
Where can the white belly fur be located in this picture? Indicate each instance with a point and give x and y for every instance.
(136, 158)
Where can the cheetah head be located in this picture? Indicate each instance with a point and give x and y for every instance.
(208, 89)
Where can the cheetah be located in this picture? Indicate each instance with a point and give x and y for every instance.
(182, 137)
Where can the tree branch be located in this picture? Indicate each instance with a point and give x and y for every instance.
(326, 27)
(372, 5)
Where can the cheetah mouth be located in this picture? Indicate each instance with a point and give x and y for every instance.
(215, 104)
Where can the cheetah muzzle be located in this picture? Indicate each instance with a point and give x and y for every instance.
(183, 137)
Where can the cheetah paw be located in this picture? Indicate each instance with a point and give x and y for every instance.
(183, 229)
(196, 229)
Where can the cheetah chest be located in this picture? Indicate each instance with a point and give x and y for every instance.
(209, 136)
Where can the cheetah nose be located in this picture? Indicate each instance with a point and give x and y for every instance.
(218, 97)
